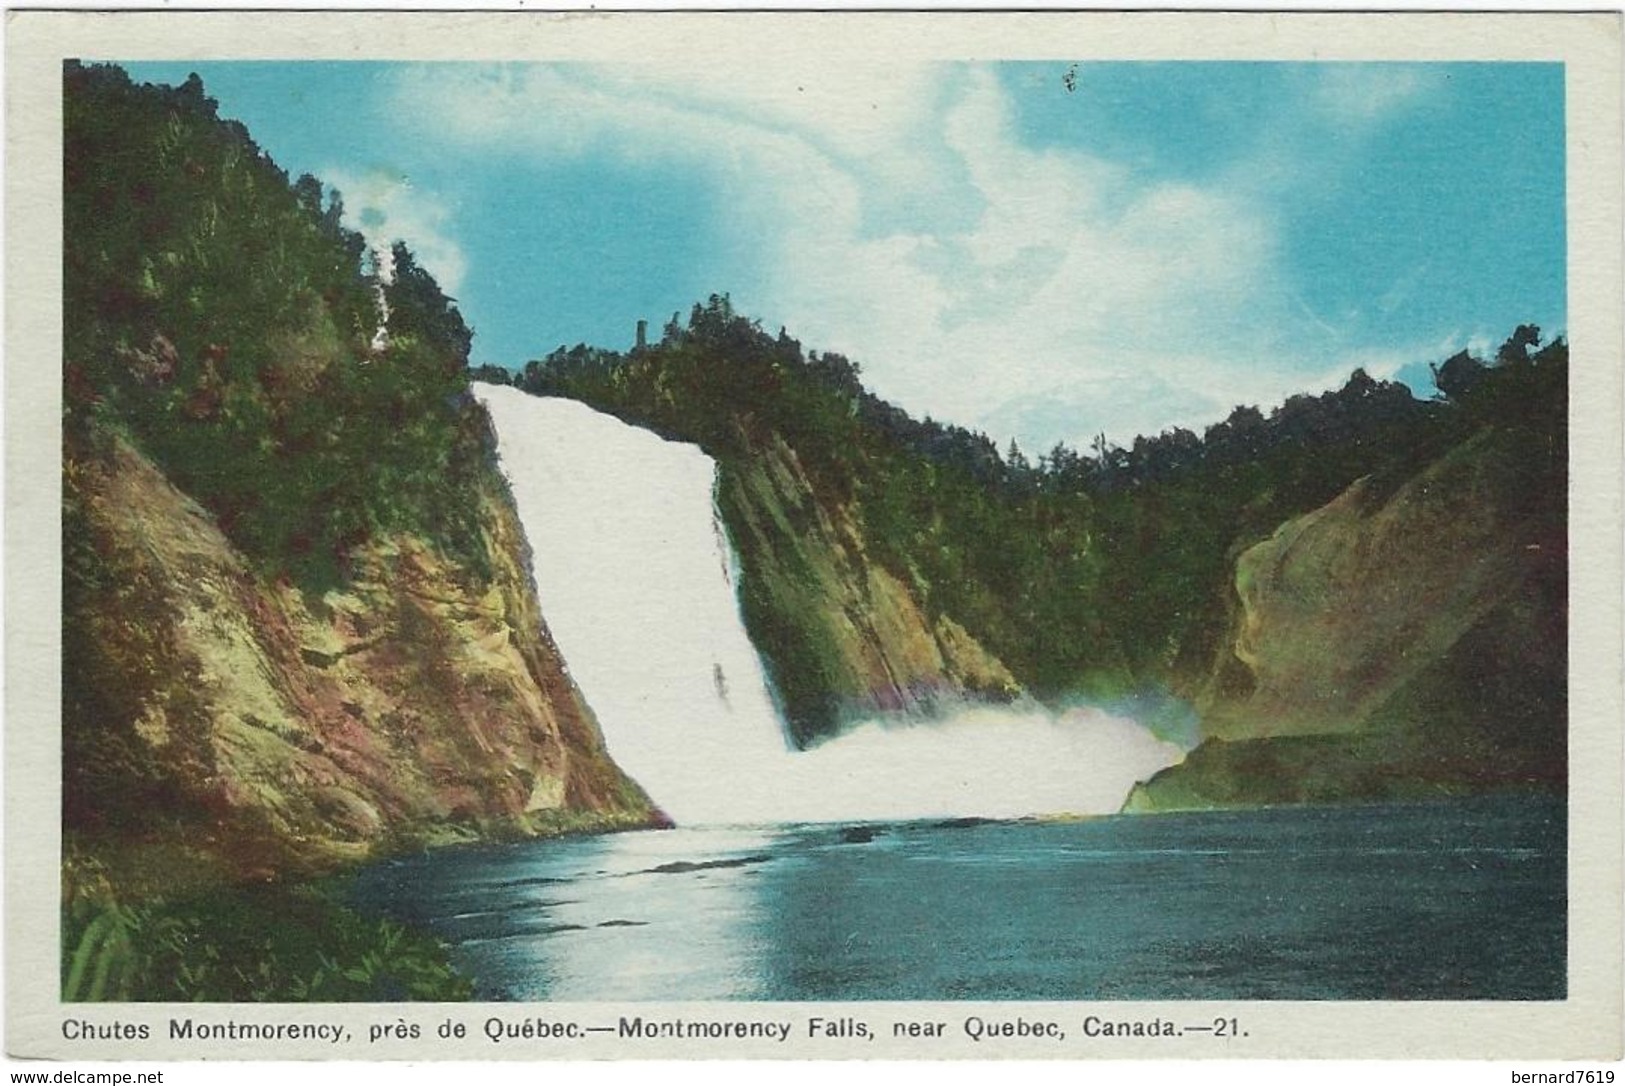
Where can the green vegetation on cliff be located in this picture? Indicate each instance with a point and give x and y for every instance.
(220, 315)
(299, 628)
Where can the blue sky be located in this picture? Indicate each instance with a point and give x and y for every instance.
(1040, 250)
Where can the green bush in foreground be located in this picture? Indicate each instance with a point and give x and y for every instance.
(254, 945)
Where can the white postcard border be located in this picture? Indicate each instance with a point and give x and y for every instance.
(1586, 1024)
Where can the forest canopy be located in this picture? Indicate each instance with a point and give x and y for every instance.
(225, 317)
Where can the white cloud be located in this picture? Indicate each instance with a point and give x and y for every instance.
(894, 215)
(846, 112)
(1073, 286)
(385, 207)
(1365, 93)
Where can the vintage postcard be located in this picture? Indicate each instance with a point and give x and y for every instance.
(797, 536)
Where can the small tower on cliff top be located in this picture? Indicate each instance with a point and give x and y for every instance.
(643, 336)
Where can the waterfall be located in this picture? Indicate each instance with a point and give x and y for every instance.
(636, 579)
(383, 265)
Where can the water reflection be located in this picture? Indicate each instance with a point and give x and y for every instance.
(634, 916)
(1461, 900)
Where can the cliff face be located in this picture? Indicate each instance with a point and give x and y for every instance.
(844, 637)
(1397, 644)
(240, 727)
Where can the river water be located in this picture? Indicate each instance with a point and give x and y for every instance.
(1451, 900)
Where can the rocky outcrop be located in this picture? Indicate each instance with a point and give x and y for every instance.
(843, 636)
(242, 725)
(1392, 644)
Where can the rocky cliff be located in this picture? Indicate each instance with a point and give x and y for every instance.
(843, 636)
(222, 724)
(1390, 644)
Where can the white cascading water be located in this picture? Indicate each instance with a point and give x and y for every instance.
(635, 576)
(383, 264)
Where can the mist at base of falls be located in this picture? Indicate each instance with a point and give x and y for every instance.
(636, 581)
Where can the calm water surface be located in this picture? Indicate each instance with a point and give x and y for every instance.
(1460, 900)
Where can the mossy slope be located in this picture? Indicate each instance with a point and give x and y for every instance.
(843, 636)
(1393, 645)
